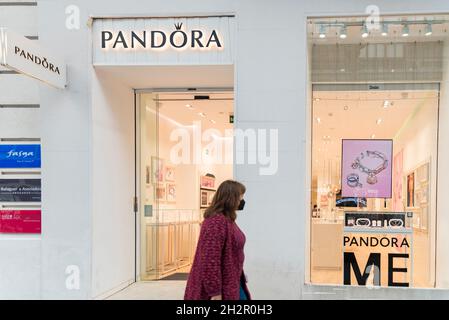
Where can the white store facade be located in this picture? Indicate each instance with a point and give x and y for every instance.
(131, 64)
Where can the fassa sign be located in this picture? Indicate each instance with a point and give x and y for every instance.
(20, 156)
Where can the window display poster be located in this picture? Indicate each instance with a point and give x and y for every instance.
(20, 156)
(20, 221)
(20, 190)
(366, 169)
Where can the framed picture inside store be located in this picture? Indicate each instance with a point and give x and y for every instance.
(160, 192)
(206, 197)
(171, 192)
(157, 170)
(410, 196)
(207, 182)
(170, 173)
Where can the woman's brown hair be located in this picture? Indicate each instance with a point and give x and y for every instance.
(226, 200)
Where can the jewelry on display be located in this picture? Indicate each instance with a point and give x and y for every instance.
(363, 222)
(372, 173)
(353, 180)
(395, 223)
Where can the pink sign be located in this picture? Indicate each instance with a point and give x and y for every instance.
(20, 221)
(366, 168)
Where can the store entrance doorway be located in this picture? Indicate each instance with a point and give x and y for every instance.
(184, 150)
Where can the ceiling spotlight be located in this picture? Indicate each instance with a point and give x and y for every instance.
(384, 30)
(343, 32)
(386, 104)
(322, 32)
(318, 120)
(365, 31)
(189, 106)
(202, 114)
(379, 121)
(373, 136)
(405, 30)
(212, 121)
(428, 30)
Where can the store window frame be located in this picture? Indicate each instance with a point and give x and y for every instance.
(309, 286)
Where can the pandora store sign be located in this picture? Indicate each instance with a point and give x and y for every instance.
(157, 39)
(163, 41)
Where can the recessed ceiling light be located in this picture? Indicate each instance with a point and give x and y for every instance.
(386, 104)
(365, 31)
(428, 31)
(212, 121)
(202, 114)
(343, 33)
(384, 30)
(189, 106)
(345, 107)
(373, 136)
(379, 121)
(318, 119)
(405, 30)
(317, 99)
(322, 32)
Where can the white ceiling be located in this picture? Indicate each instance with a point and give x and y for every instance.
(440, 31)
(218, 108)
(144, 77)
(354, 115)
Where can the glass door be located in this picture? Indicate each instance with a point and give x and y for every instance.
(182, 142)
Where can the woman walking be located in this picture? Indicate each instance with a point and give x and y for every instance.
(217, 270)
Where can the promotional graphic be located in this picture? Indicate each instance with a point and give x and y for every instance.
(366, 168)
(20, 156)
(377, 249)
(20, 190)
(20, 221)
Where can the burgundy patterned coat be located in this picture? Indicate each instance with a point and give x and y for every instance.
(218, 264)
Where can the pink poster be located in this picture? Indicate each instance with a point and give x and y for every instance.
(20, 221)
(366, 168)
(397, 181)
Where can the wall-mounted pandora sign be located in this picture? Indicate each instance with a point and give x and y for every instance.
(163, 41)
(28, 57)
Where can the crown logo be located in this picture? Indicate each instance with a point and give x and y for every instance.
(178, 26)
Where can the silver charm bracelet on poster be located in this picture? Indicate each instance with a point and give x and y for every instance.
(353, 180)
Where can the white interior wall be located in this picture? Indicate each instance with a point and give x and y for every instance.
(442, 264)
(418, 140)
(112, 184)
(187, 175)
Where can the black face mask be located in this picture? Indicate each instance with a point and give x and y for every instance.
(241, 205)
